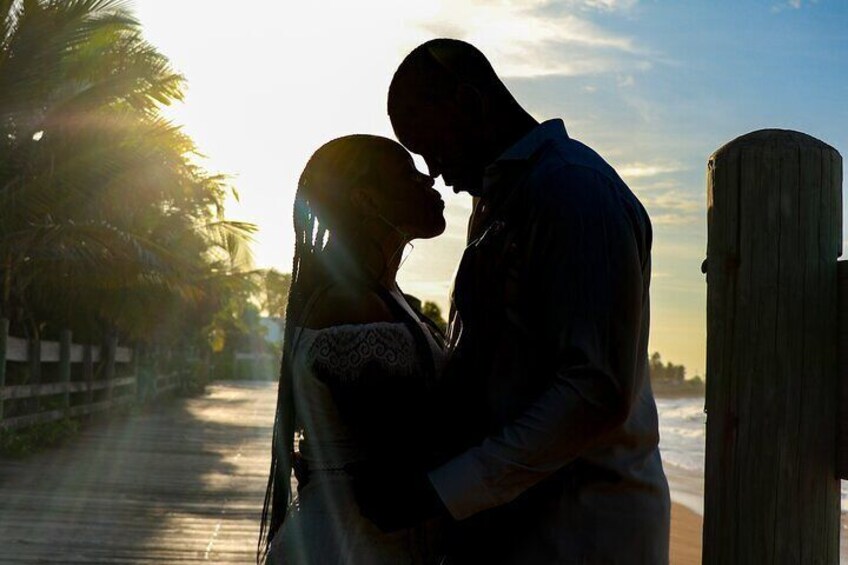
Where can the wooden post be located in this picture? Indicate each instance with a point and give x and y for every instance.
(88, 372)
(65, 364)
(109, 349)
(774, 235)
(157, 365)
(34, 363)
(4, 334)
(136, 369)
(34, 360)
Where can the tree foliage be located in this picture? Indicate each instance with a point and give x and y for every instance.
(668, 372)
(106, 219)
(274, 292)
(434, 312)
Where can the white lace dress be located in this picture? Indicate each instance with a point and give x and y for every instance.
(360, 393)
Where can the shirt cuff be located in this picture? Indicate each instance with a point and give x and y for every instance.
(460, 485)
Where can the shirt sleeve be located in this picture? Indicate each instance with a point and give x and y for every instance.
(587, 282)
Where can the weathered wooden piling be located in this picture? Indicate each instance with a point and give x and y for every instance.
(774, 235)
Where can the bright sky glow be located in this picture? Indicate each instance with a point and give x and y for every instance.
(654, 86)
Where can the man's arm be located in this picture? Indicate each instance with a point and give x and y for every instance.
(589, 290)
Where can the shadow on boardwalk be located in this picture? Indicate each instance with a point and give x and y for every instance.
(181, 484)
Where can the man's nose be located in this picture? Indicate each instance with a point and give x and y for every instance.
(433, 167)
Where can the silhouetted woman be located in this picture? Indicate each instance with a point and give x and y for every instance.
(358, 360)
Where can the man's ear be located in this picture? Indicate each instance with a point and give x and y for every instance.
(469, 100)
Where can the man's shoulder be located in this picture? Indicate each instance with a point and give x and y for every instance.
(565, 174)
(569, 159)
(569, 178)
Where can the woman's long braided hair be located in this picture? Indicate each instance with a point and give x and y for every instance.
(321, 212)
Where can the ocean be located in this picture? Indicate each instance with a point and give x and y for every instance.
(683, 445)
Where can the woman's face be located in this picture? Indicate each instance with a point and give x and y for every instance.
(406, 198)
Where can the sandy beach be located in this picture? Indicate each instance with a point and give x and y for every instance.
(685, 536)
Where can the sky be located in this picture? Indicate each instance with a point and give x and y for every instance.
(655, 86)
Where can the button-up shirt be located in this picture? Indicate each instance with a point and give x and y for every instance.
(550, 337)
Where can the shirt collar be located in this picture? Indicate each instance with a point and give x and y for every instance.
(523, 149)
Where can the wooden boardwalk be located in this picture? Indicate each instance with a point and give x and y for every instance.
(182, 483)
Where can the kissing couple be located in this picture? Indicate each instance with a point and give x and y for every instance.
(526, 435)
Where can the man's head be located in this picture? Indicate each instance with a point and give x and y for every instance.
(447, 104)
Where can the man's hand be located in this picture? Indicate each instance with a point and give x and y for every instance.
(394, 498)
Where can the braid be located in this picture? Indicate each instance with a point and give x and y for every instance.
(278, 490)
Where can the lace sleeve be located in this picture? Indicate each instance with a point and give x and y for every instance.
(372, 373)
(344, 353)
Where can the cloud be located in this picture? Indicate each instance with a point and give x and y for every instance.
(794, 4)
(537, 38)
(641, 170)
(607, 5)
(672, 208)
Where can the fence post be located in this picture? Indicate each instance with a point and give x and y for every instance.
(34, 360)
(774, 235)
(136, 366)
(88, 372)
(34, 363)
(65, 365)
(110, 347)
(156, 367)
(4, 334)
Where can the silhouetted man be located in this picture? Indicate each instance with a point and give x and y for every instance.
(549, 368)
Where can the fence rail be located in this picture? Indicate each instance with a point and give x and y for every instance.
(99, 389)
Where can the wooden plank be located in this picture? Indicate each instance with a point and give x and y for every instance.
(31, 419)
(77, 353)
(29, 391)
(166, 388)
(123, 355)
(179, 484)
(50, 351)
(125, 381)
(16, 349)
(87, 409)
(53, 415)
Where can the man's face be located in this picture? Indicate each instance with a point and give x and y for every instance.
(448, 140)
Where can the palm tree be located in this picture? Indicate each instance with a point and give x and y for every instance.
(105, 218)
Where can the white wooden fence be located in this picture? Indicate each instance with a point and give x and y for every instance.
(98, 390)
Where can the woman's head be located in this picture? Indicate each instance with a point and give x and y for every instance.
(357, 181)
